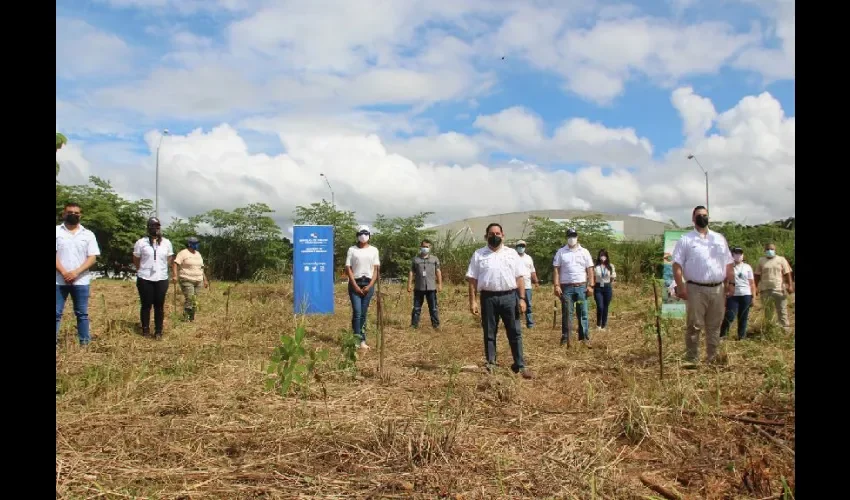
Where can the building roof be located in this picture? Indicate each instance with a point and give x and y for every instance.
(518, 224)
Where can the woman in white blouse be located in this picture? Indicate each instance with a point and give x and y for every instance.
(738, 305)
(603, 290)
(362, 264)
(152, 256)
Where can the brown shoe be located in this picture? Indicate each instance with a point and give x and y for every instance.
(526, 374)
(587, 344)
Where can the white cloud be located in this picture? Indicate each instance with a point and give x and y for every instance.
(697, 113)
(304, 71)
(85, 51)
(774, 63)
(516, 124)
(577, 140)
(597, 61)
(447, 148)
(184, 7)
(750, 160)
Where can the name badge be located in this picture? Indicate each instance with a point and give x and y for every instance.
(424, 274)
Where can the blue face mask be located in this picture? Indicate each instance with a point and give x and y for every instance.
(770, 253)
(194, 246)
(424, 250)
(520, 250)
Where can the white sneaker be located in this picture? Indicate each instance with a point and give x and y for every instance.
(363, 346)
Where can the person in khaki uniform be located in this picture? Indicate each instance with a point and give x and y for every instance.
(702, 263)
(773, 280)
(191, 275)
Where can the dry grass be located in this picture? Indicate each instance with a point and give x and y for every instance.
(188, 417)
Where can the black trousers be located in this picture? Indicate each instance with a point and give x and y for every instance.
(420, 296)
(495, 306)
(152, 294)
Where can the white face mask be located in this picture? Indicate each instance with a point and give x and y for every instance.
(363, 238)
(738, 258)
(572, 241)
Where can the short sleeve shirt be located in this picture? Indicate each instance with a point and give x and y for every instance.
(424, 271)
(495, 271)
(703, 258)
(572, 264)
(153, 265)
(527, 270)
(770, 273)
(191, 265)
(72, 250)
(362, 261)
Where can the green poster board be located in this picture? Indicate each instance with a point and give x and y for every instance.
(671, 306)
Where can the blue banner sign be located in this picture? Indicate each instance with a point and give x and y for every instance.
(313, 269)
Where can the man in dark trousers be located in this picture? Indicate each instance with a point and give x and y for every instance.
(495, 273)
(425, 280)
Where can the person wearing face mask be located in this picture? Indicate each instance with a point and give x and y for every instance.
(191, 275)
(574, 281)
(773, 279)
(362, 265)
(603, 292)
(152, 256)
(497, 291)
(529, 277)
(76, 253)
(427, 279)
(702, 260)
(738, 305)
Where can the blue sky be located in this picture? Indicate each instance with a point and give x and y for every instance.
(419, 93)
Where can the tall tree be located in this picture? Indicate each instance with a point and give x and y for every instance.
(244, 241)
(117, 223)
(61, 140)
(343, 222)
(398, 240)
(547, 236)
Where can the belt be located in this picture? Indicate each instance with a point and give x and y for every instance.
(362, 278)
(707, 285)
(573, 284)
(488, 293)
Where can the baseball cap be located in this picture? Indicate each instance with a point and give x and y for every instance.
(521, 242)
(572, 232)
(192, 239)
(363, 228)
(153, 221)
(737, 250)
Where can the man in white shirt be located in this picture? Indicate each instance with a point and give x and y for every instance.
(529, 277)
(76, 253)
(574, 280)
(702, 259)
(495, 274)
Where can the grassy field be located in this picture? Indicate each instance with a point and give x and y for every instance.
(188, 416)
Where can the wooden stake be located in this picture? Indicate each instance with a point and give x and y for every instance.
(658, 330)
(380, 324)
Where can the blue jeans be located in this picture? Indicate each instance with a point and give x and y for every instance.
(737, 306)
(420, 296)
(603, 296)
(573, 298)
(359, 308)
(529, 321)
(80, 297)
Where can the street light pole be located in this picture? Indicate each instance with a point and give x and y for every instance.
(156, 205)
(333, 203)
(704, 171)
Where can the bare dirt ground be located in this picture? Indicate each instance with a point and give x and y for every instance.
(189, 417)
